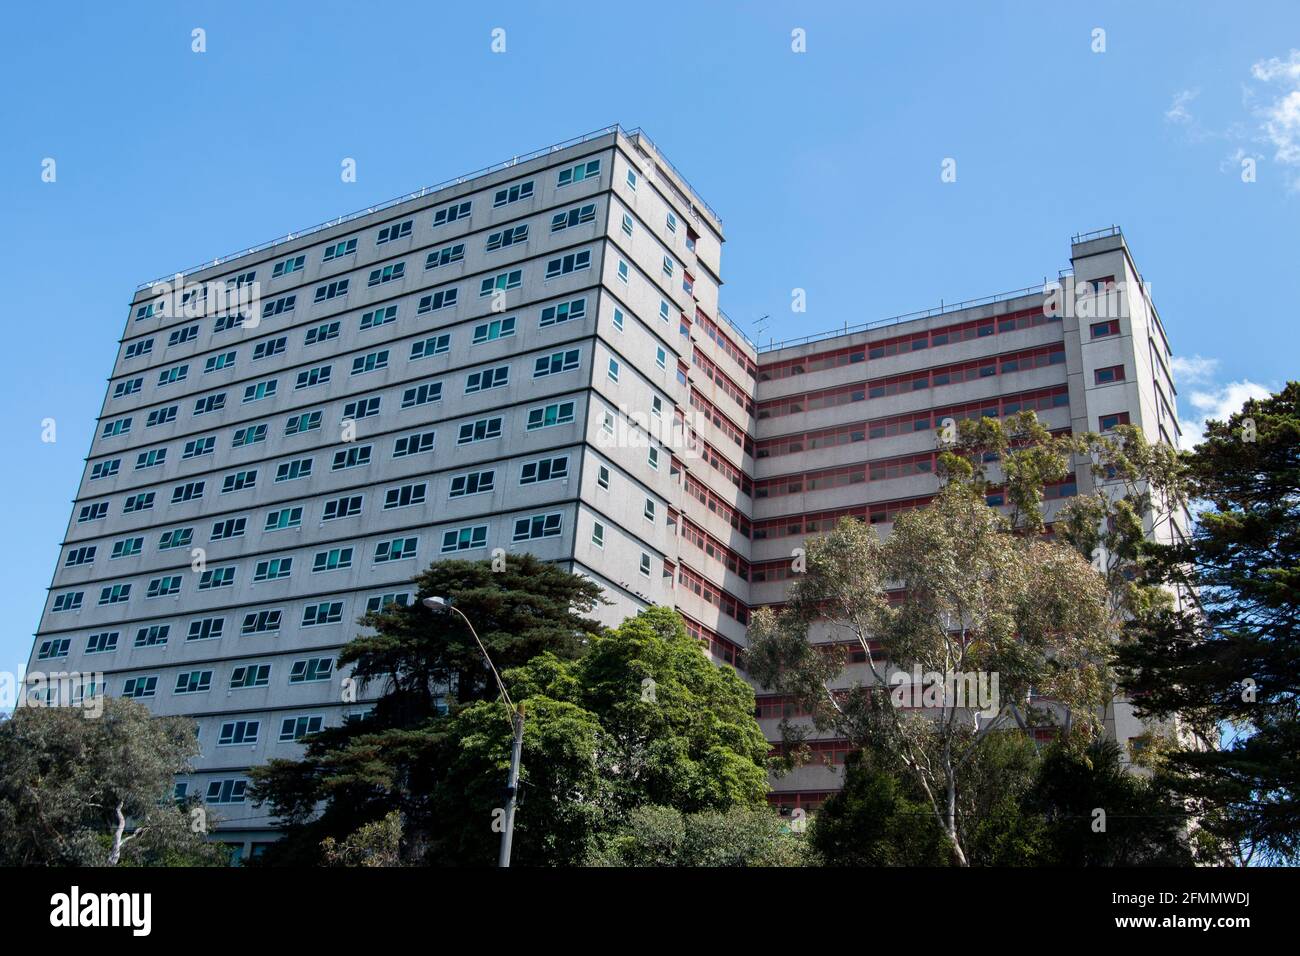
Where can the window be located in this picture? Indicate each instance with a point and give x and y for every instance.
(238, 732)
(370, 363)
(121, 426)
(668, 267)
(187, 334)
(248, 436)
(1109, 422)
(310, 378)
(627, 223)
(198, 447)
(574, 217)
(363, 408)
(322, 333)
(473, 483)
(136, 349)
(450, 214)
(487, 378)
(267, 349)
(327, 612)
(445, 257)
(144, 311)
(672, 222)
(331, 290)
(491, 331)
(193, 682)
(631, 179)
(513, 193)
(128, 387)
(228, 791)
(396, 550)
(345, 507)
(556, 362)
(538, 526)
(206, 629)
(558, 413)
(654, 457)
(396, 231)
(229, 528)
(164, 586)
(190, 491)
(114, 594)
(284, 518)
(436, 345)
(384, 601)
(151, 458)
(293, 729)
(258, 622)
(388, 273)
(69, 601)
(480, 430)
(622, 271)
(344, 247)
(127, 547)
(576, 174)
(93, 512)
(260, 390)
(377, 317)
(79, 556)
(645, 564)
(238, 481)
(1102, 329)
(51, 649)
(464, 539)
(226, 322)
(206, 404)
(102, 642)
(563, 312)
(155, 636)
(598, 534)
(573, 262)
(649, 510)
(544, 469)
(507, 237)
(506, 280)
(140, 502)
(138, 687)
(1102, 376)
(250, 675)
(297, 424)
(312, 669)
(335, 559)
(442, 299)
(618, 319)
(288, 266)
(279, 306)
(422, 394)
(413, 444)
(105, 469)
(661, 357)
(175, 538)
(404, 496)
(169, 376)
(214, 578)
(613, 370)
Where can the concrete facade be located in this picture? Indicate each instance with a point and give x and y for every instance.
(580, 396)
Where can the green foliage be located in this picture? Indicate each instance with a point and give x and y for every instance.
(665, 836)
(375, 844)
(615, 720)
(80, 790)
(1233, 661)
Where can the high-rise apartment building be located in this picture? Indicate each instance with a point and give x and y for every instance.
(530, 358)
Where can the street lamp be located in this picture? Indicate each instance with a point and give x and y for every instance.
(437, 603)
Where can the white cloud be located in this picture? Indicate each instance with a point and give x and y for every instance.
(1178, 112)
(1278, 112)
(1191, 369)
(1216, 402)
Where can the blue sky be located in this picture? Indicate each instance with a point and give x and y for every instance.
(824, 165)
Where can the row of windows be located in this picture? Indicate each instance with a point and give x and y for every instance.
(548, 316)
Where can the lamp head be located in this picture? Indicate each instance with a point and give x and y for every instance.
(436, 603)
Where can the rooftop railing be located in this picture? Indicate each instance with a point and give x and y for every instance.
(427, 190)
(906, 317)
(1096, 234)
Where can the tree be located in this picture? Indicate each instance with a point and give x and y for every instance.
(82, 790)
(741, 836)
(643, 718)
(375, 844)
(1234, 662)
(424, 665)
(983, 595)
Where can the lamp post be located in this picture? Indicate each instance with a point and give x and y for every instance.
(517, 725)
